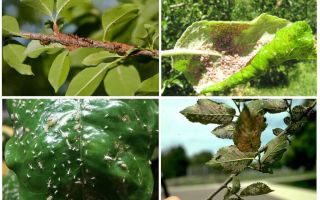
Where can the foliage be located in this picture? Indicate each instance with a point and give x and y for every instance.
(246, 133)
(178, 15)
(76, 70)
(72, 148)
(174, 162)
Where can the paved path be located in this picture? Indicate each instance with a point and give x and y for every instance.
(282, 192)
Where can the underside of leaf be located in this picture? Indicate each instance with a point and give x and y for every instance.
(237, 51)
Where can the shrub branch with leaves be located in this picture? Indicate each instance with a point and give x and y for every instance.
(117, 63)
(245, 132)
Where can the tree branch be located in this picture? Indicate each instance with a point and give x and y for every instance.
(262, 149)
(73, 42)
(224, 185)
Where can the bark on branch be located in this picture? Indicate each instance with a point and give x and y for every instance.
(73, 42)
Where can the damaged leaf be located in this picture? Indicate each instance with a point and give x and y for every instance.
(248, 131)
(207, 111)
(231, 159)
(242, 50)
(225, 131)
(256, 189)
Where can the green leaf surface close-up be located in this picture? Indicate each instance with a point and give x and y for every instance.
(81, 149)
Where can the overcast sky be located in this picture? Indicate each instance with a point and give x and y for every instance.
(195, 137)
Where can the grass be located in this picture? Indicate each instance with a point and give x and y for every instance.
(302, 81)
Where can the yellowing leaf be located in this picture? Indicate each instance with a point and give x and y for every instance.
(122, 81)
(59, 70)
(10, 26)
(248, 131)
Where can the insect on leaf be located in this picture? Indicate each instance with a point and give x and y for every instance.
(256, 189)
(122, 81)
(59, 70)
(10, 26)
(231, 159)
(207, 111)
(248, 131)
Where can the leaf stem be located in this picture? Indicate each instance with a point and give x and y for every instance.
(73, 42)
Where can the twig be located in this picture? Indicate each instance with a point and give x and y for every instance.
(224, 185)
(73, 42)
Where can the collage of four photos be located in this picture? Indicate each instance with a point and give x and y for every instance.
(159, 100)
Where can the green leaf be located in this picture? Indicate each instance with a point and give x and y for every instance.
(231, 159)
(116, 20)
(88, 80)
(235, 185)
(122, 81)
(256, 189)
(73, 147)
(244, 50)
(44, 6)
(207, 111)
(225, 131)
(150, 85)
(14, 56)
(59, 70)
(248, 131)
(97, 58)
(10, 26)
(64, 4)
(35, 49)
(275, 150)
